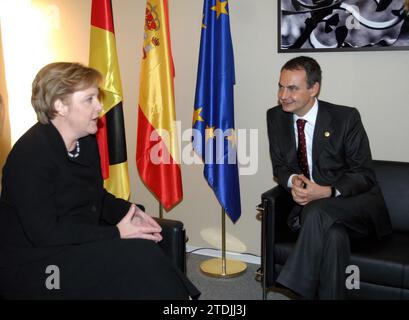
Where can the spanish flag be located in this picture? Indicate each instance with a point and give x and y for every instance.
(157, 152)
(111, 132)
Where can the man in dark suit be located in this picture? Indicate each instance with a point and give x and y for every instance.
(324, 161)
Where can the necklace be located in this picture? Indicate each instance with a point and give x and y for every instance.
(77, 151)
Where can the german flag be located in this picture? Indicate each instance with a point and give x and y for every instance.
(157, 152)
(111, 131)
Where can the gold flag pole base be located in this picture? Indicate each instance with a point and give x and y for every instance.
(214, 268)
(222, 267)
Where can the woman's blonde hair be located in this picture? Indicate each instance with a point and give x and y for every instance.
(57, 81)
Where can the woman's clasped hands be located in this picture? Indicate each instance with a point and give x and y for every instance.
(137, 224)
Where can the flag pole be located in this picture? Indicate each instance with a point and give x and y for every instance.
(223, 241)
(160, 210)
(222, 267)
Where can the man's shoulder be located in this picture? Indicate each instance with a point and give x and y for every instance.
(275, 112)
(336, 108)
(275, 109)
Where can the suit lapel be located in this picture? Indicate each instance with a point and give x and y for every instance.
(289, 132)
(322, 131)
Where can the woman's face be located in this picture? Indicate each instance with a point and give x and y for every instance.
(83, 108)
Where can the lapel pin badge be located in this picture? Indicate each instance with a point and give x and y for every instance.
(326, 134)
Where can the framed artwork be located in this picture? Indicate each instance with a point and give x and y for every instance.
(342, 25)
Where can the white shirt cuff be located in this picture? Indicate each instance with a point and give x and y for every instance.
(290, 181)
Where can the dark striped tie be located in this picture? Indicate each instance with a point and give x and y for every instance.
(302, 149)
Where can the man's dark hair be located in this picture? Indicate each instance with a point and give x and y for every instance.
(311, 67)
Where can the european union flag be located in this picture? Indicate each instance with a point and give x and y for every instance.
(214, 137)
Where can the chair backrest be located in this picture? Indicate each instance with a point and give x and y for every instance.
(393, 179)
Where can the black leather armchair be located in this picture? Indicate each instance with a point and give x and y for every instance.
(383, 265)
(174, 241)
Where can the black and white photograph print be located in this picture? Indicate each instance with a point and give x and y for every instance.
(342, 25)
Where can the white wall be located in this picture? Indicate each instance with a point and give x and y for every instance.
(374, 82)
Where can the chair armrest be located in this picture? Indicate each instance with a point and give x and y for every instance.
(277, 194)
(174, 241)
(276, 204)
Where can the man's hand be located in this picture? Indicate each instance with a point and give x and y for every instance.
(137, 224)
(297, 181)
(305, 191)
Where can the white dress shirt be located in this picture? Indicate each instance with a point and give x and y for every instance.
(311, 118)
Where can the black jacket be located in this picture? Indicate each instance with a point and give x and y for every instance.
(50, 201)
(341, 155)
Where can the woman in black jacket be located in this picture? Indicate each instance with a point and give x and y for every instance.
(62, 235)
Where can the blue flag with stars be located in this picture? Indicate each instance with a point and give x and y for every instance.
(214, 137)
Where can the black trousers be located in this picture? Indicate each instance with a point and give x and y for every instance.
(317, 264)
(109, 269)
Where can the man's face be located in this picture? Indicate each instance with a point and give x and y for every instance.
(294, 94)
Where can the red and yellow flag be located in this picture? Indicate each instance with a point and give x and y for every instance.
(111, 131)
(5, 138)
(157, 152)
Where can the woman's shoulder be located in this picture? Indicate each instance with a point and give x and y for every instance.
(26, 154)
(35, 144)
(32, 139)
